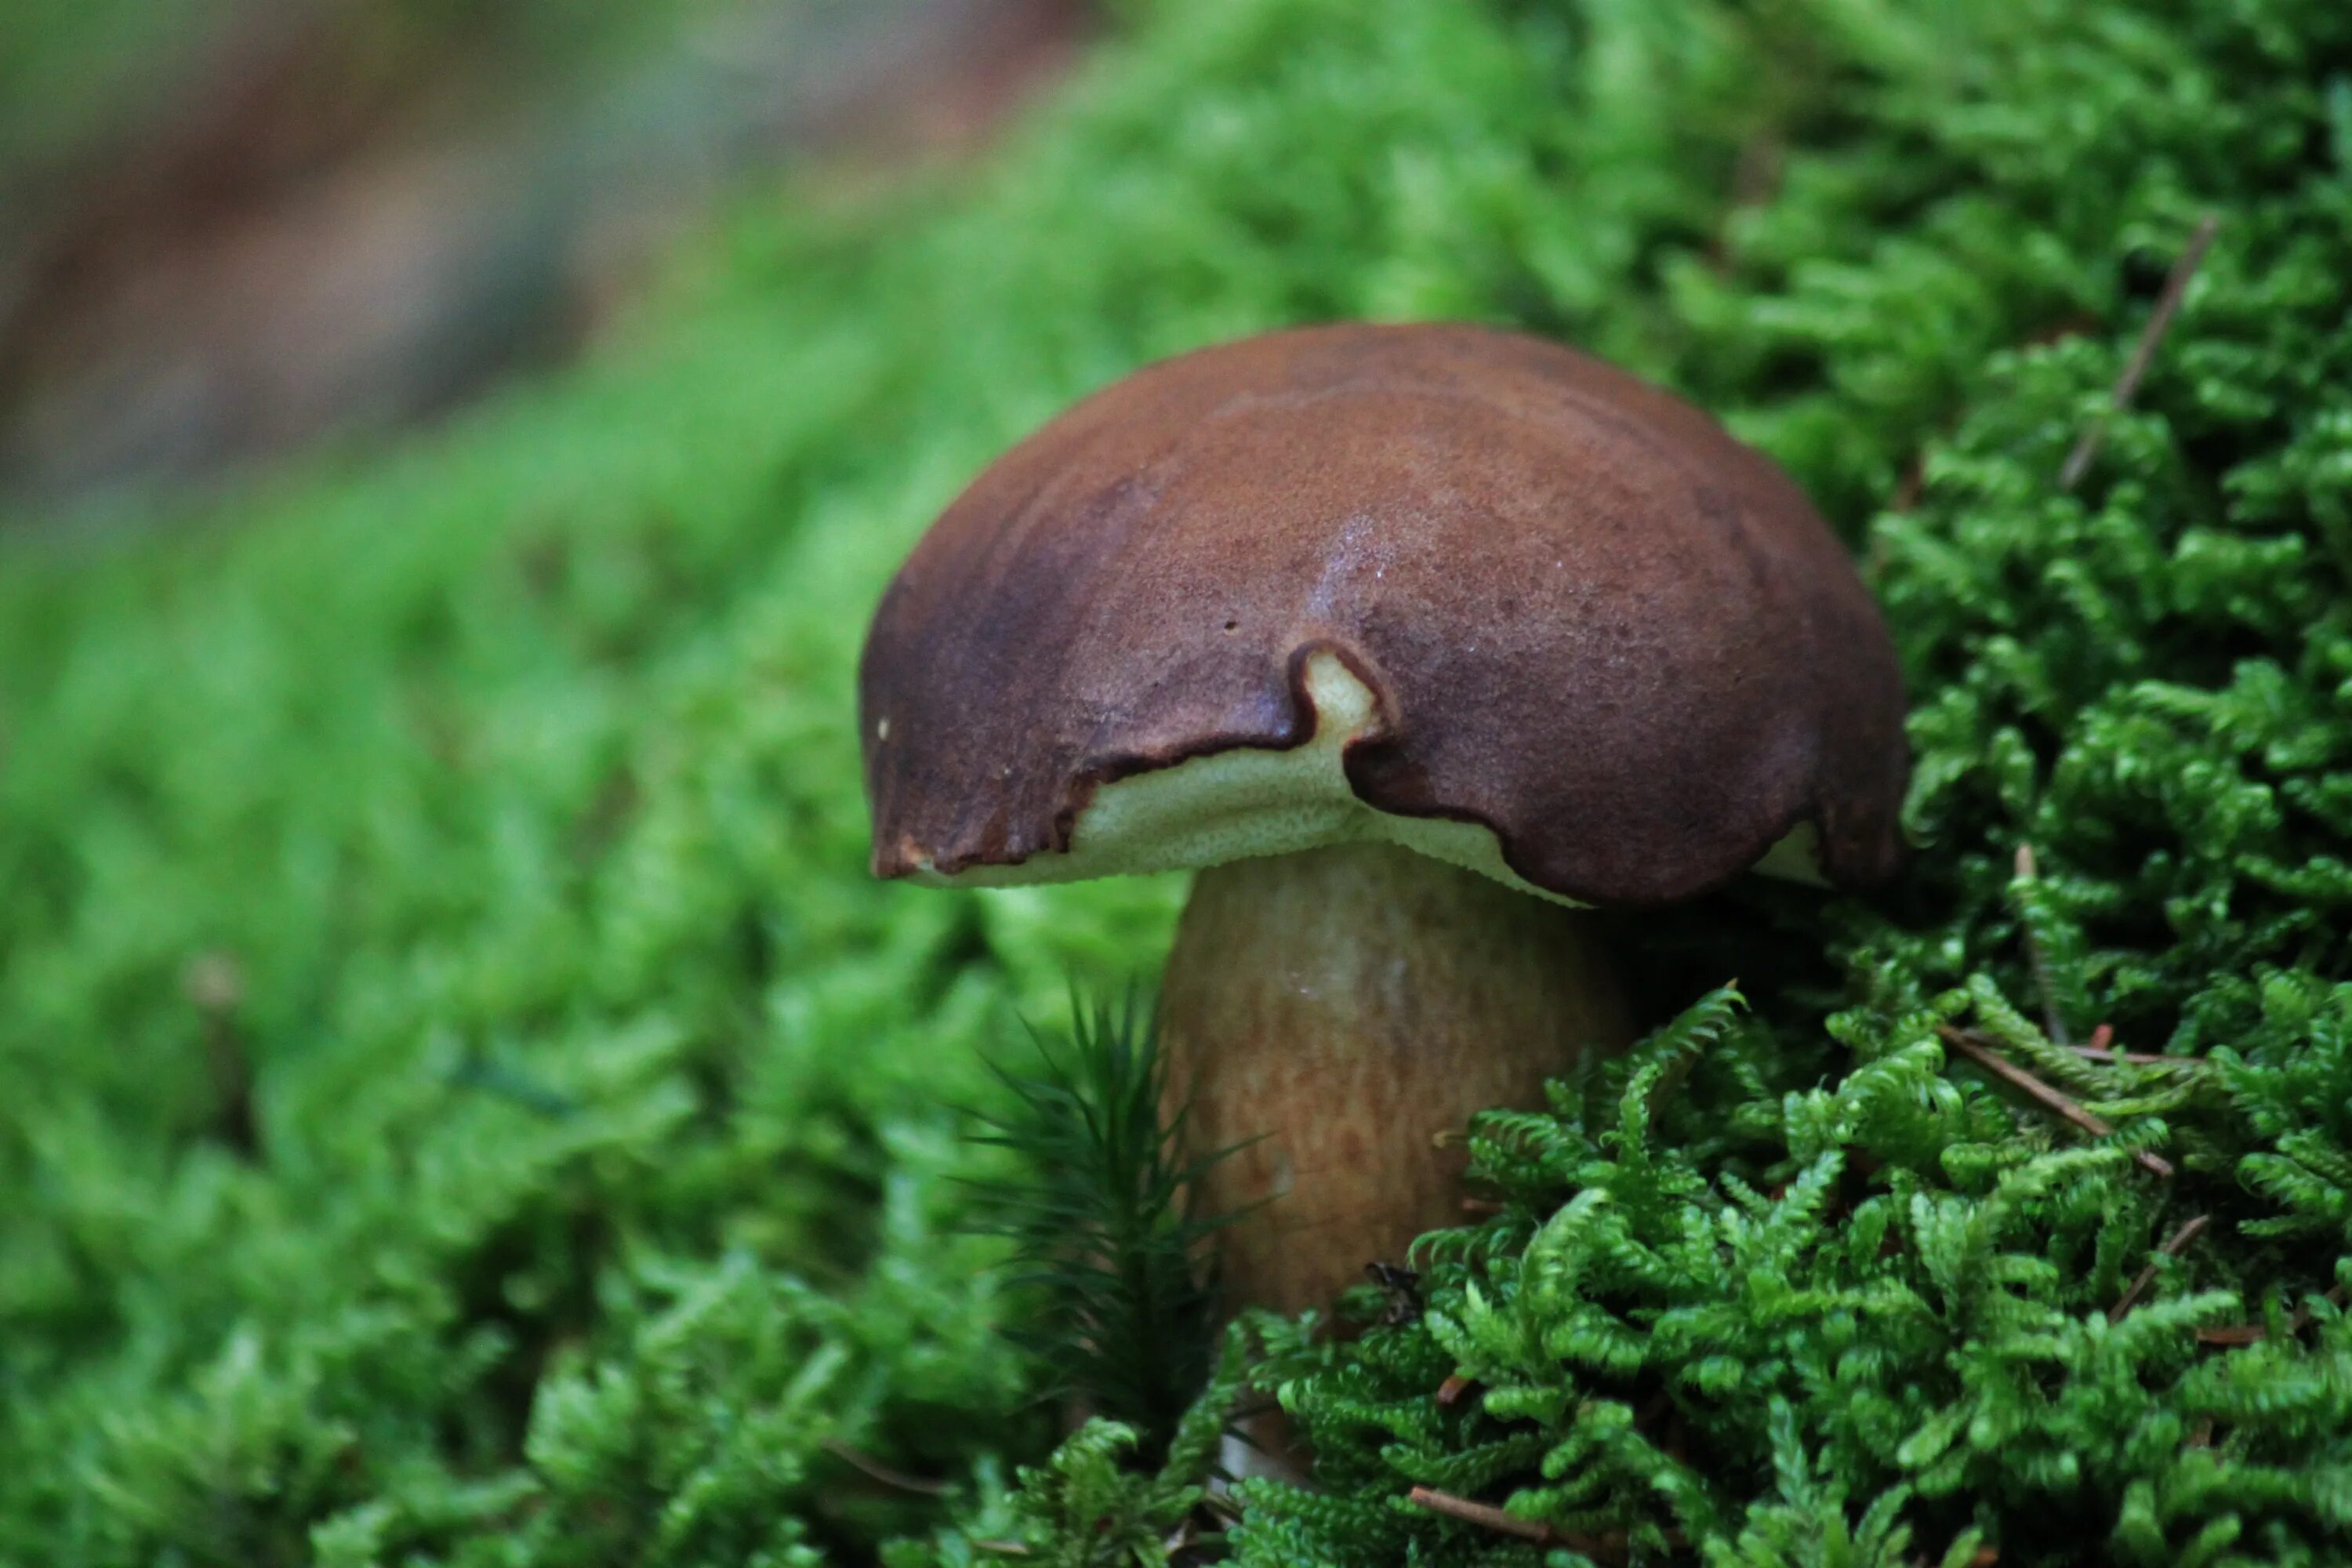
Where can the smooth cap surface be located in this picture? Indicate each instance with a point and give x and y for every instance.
(1576, 613)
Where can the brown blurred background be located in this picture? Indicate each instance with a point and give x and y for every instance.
(229, 228)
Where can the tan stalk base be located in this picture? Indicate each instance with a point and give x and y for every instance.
(1351, 1004)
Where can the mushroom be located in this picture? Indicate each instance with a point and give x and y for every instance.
(1414, 642)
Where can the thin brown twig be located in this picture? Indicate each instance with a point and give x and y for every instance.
(2168, 305)
(217, 985)
(878, 1470)
(1487, 1517)
(1483, 1515)
(2007, 1071)
(2054, 1026)
(2254, 1333)
(1451, 1391)
(1910, 485)
(2174, 1246)
(2102, 1048)
(2302, 1318)
(2135, 1059)
(2233, 1334)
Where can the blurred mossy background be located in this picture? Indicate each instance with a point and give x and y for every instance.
(462, 1101)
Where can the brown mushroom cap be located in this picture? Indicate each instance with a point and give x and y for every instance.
(1587, 619)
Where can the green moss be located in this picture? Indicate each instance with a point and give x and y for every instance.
(549, 1155)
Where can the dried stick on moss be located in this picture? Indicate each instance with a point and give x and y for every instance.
(2253, 1333)
(2102, 1048)
(2233, 1334)
(2174, 1245)
(875, 1469)
(2168, 305)
(2053, 1025)
(2333, 1296)
(2008, 1072)
(1485, 1516)
(1613, 1546)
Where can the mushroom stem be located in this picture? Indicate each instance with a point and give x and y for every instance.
(1344, 1008)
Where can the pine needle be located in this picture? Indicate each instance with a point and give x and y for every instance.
(2127, 387)
(1483, 1515)
(2053, 1022)
(2174, 1246)
(2008, 1072)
